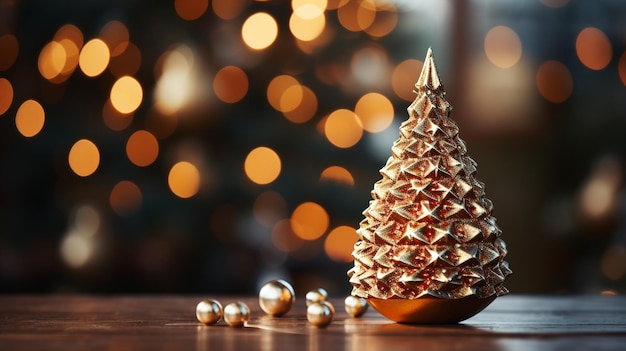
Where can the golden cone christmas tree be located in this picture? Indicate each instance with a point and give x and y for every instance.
(429, 250)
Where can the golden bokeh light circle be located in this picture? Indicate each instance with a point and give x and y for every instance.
(184, 179)
(142, 148)
(309, 221)
(306, 109)
(30, 118)
(84, 157)
(503, 46)
(262, 165)
(259, 31)
(337, 174)
(343, 128)
(276, 89)
(125, 198)
(190, 10)
(404, 77)
(554, 81)
(94, 57)
(126, 95)
(307, 28)
(51, 60)
(593, 48)
(6, 95)
(339, 243)
(375, 112)
(230, 84)
(9, 47)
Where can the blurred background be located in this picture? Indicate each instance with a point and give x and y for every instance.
(196, 146)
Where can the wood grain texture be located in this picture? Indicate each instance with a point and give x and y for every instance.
(60, 322)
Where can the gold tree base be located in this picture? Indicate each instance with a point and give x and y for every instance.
(430, 310)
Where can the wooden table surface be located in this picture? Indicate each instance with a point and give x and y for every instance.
(66, 322)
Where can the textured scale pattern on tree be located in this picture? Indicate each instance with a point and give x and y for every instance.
(428, 230)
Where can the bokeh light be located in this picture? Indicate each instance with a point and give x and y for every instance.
(72, 33)
(71, 39)
(357, 16)
(94, 57)
(175, 84)
(554, 81)
(184, 179)
(337, 174)
(80, 244)
(71, 60)
(613, 264)
(269, 207)
(277, 88)
(284, 238)
(126, 94)
(262, 165)
(308, 20)
(343, 128)
(340, 242)
(593, 48)
(621, 67)
(230, 84)
(259, 31)
(503, 46)
(191, 9)
(76, 249)
(9, 48)
(599, 195)
(84, 157)
(114, 119)
(127, 63)
(228, 9)
(116, 36)
(125, 198)
(6, 95)
(51, 60)
(142, 148)
(369, 67)
(309, 221)
(335, 4)
(385, 21)
(291, 98)
(306, 108)
(404, 77)
(375, 112)
(314, 7)
(30, 118)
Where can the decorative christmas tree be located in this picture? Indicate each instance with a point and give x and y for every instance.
(429, 250)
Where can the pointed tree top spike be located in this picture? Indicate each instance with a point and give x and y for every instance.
(429, 78)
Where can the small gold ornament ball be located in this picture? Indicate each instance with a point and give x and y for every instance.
(355, 306)
(209, 311)
(236, 314)
(276, 297)
(320, 314)
(316, 295)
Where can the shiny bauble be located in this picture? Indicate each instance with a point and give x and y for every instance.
(316, 295)
(276, 297)
(209, 311)
(236, 314)
(320, 314)
(355, 306)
